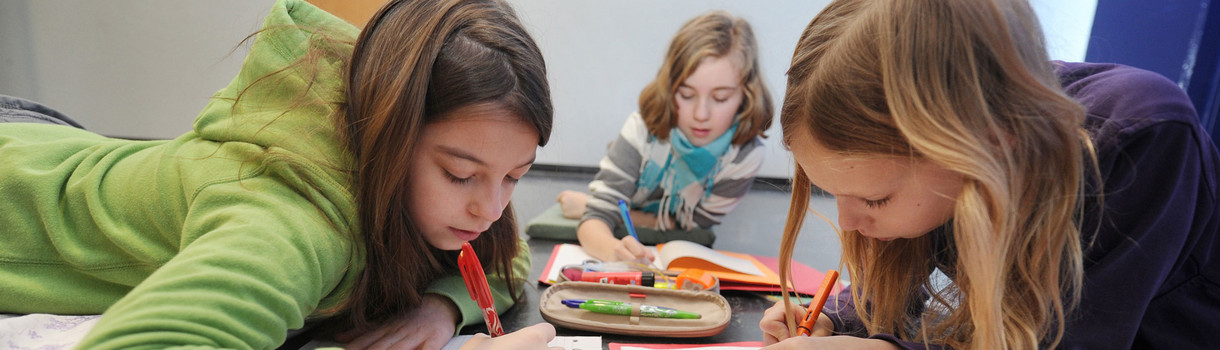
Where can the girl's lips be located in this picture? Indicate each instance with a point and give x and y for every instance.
(464, 235)
(700, 132)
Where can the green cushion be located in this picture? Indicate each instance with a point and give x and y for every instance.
(552, 225)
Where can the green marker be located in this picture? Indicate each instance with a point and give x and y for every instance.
(645, 310)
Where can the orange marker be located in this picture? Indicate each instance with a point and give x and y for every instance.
(815, 307)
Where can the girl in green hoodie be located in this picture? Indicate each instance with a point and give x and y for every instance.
(331, 182)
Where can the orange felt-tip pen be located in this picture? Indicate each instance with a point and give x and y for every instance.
(476, 285)
(815, 307)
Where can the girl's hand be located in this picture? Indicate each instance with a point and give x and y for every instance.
(429, 326)
(572, 203)
(532, 337)
(775, 327)
(835, 342)
(629, 249)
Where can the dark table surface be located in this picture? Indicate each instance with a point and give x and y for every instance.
(747, 309)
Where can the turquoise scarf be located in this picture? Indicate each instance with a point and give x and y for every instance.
(685, 165)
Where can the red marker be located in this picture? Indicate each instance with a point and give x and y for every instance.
(642, 278)
(476, 285)
(815, 307)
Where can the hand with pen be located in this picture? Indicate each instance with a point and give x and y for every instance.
(532, 337)
(598, 240)
(776, 335)
(814, 329)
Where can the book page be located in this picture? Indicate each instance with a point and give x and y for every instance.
(563, 254)
(679, 249)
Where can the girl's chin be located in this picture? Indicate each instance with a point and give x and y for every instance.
(883, 239)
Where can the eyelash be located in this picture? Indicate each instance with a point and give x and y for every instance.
(457, 180)
(463, 181)
(718, 100)
(877, 203)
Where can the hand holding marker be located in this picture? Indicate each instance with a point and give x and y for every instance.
(815, 307)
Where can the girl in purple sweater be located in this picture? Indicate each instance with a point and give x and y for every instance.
(1061, 205)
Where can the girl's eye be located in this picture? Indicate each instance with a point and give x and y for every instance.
(720, 100)
(877, 203)
(512, 180)
(457, 180)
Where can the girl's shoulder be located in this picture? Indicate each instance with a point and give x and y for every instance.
(1122, 101)
(635, 131)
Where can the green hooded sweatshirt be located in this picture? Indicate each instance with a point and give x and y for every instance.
(225, 237)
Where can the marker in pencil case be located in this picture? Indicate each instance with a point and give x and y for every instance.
(690, 279)
(640, 278)
(575, 303)
(624, 309)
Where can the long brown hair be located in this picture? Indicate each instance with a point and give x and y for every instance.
(714, 34)
(966, 85)
(416, 61)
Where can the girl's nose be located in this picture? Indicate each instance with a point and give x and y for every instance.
(489, 204)
(849, 218)
(703, 111)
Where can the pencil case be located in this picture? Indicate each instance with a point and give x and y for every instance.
(713, 310)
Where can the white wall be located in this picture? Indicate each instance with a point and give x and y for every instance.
(144, 68)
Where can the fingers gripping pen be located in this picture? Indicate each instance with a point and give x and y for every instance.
(476, 285)
(819, 300)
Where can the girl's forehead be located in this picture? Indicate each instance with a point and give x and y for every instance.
(714, 72)
(842, 173)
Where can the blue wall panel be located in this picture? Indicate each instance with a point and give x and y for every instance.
(1179, 39)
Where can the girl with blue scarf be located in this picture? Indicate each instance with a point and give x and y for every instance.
(691, 152)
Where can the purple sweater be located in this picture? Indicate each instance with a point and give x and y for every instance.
(1150, 277)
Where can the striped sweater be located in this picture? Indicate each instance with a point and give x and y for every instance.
(619, 178)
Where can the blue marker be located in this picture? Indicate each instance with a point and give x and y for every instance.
(622, 210)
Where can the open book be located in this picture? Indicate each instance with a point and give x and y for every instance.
(736, 271)
(728, 266)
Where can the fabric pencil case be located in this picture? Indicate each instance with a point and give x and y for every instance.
(713, 310)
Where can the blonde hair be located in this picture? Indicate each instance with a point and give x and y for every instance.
(714, 34)
(966, 85)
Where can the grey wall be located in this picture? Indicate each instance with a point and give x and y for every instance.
(144, 68)
(127, 68)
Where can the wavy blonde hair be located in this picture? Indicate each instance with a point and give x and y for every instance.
(966, 85)
(713, 34)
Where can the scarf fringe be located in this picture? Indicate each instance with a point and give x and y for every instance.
(685, 210)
